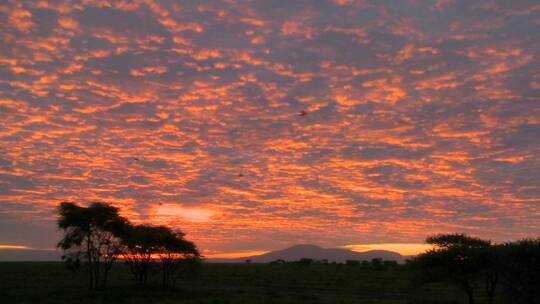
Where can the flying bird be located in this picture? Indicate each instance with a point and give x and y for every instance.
(302, 113)
(240, 174)
(135, 158)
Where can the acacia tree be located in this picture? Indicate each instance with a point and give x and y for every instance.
(146, 245)
(92, 234)
(178, 257)
(460, 259)
(520, 270)
(142, 243)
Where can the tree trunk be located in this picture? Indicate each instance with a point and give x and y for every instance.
(491, 284)
(91, 276)
(97, 269)
(140, 277)
(469, 290)
(173, 281)
(470, 295)
(105, 277)
(90, 263)
(165, 277)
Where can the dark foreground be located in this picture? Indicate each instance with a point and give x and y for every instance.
(43, 282)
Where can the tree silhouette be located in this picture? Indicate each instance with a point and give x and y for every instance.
(141, 242)
(145, 245)
(459, 259)
(377, 263)
(177, 255)
(92, 234)
(520, 270)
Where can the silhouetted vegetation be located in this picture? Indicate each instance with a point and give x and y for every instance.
(375, 264)
(480, 268)
(519, 269)
(97, 235)
(178, 257)
(217, 284)
(92, 234)
(141, 243)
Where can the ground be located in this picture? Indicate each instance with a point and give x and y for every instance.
(42, 282)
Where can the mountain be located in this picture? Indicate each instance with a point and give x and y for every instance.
(29, 255)
(297, 252)
(293, 253)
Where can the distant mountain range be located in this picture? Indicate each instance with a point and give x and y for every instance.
(293, 253)
(314, 252)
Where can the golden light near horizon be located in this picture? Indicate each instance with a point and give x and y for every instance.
(172, 212)
(401, 248)
(13, 247)
(234, 255)
(253, 126)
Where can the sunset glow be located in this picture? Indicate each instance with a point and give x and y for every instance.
(234, 255)
(173, 212)
(256, 125)
(401, 248)
(13, 247)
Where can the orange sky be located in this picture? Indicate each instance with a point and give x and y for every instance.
(256, 125)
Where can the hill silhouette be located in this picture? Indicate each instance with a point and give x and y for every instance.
(315, 252)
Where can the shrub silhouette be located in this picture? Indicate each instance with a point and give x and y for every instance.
(377, 263)
(351, 263)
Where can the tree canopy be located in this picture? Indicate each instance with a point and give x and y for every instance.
(476, 265)
(98, 236)
(93, 234)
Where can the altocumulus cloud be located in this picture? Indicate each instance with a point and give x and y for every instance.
(421, 117)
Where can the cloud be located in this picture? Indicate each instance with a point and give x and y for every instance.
(421, 117)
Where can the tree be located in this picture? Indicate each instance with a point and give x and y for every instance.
(390, 265)
(352, 263)
(92, 234)
(145, 245)
(304, 262)
(520, 270)
(377, 263)
(446, 241)
(459, 259)
(178, 257)
(141, 243)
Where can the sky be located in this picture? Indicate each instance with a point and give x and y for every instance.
(255, 125)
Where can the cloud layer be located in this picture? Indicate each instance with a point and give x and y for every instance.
(256, 124)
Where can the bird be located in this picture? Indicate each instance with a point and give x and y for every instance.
(240, 174)
(135, 158)
(302, 113)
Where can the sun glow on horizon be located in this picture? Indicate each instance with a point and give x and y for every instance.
(171, 211)
(401, 248)
(234, 255)
(14, 247)
(250, 125)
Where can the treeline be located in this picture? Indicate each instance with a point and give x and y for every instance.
(375, 263)
(509, 271)
(97, 236)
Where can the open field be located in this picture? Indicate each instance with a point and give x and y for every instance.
(43, 282)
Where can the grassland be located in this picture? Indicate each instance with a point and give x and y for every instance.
(43, 282)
